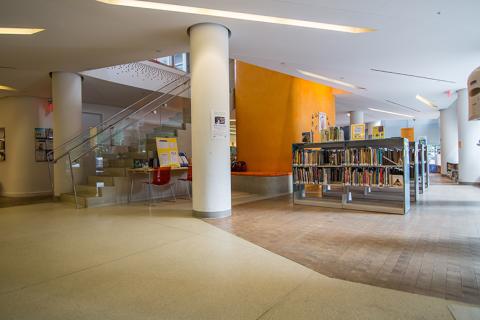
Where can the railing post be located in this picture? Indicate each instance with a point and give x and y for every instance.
(73, 180)
(50, 174)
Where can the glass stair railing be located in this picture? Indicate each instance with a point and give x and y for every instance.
(109, 148)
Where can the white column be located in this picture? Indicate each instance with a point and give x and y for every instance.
(67, 121)
(356, 117)
(209, 55)
(448, 136)
(468, 137)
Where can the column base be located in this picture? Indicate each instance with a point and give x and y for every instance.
(212, 215)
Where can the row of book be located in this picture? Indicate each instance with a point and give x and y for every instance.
(318, 157)
(378, 177)
(332, 134)
(352, 156)
(314, 175)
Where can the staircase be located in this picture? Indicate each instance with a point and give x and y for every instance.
(100, 157)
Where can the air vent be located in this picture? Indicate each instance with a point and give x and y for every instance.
(401, 105)
(412, 75)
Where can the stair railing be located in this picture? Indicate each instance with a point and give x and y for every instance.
(104, 126)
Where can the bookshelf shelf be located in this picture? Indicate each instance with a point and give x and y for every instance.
(353, 175)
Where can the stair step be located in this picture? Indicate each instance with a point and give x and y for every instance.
(114, 172)
(120, 163)
(107, 181)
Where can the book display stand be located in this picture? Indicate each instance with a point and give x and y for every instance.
(369, 175)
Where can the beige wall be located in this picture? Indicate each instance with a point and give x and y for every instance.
(20, 175)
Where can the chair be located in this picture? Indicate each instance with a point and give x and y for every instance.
(162, 178)
(188, 180)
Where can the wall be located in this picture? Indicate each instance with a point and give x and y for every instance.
(272, 110)
(20, 175)
(428, 128)
(449, 136)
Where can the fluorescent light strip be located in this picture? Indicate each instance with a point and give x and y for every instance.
(20, 31)
(317, 76)
(7, 88)
(426, 102)
(394, 113)
(235, 15)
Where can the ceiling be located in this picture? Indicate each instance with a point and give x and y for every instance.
(429, 38)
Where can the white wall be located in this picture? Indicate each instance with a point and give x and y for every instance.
(449, 136)
(20, 175)
(424, 127)
(105, 111)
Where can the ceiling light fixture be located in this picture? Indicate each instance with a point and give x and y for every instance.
(342, 83)
(426, 101)
(20, 31)
(7, 88)
(235, 15)
(394, 113)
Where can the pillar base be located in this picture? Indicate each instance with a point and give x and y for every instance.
(212, 215)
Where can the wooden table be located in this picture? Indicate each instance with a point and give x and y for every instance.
(146, 171)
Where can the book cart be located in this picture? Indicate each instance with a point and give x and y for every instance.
(368, 175)
(415, 178)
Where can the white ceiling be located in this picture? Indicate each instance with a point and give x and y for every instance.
(428, 38)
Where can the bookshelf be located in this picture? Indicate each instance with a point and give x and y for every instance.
(368, 175)
(414, 171)
(422, 166)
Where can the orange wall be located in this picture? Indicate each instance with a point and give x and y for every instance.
(272, 111)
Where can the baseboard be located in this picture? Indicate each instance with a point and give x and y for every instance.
(477, 184)
(25, 194)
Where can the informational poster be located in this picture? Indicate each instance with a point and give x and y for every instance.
(357, 131)
(43, 143)
(220, 125)
(378, 132)
(167, 151)
(408, 133)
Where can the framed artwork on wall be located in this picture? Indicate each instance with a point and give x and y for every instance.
(2, 145)
(43, 143)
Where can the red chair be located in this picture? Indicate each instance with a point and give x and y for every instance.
(162, 178)
(188, 180)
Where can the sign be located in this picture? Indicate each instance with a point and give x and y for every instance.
(408, 133)
(378, 132)
(220, 125)
(357, 131)
(167, 151)
(322, 121)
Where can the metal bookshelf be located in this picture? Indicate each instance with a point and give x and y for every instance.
(423, 168)
(375, 198)
(414, 172)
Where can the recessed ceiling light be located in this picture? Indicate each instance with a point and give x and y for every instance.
(426, 101)
(20, 31)
(342, 83)
(394, 113)
(235, 15)
(7, 88)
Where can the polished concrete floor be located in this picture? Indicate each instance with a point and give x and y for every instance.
(141, 262)
(434, 250)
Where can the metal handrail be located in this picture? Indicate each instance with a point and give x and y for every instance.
(117, 114)
(113, 124)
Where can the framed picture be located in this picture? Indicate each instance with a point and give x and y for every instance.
(43, 144)
(2, 145)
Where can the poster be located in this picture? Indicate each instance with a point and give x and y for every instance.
(322, 121)
(167, 151)
(357, 131)
(2, 144)
(220, 125)
(43, 144)
(378, 132)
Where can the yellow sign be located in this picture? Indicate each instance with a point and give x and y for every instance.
(167, 151)
(357, 131)
(378, 132)
(408, 133)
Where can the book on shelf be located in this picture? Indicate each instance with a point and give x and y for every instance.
(319, 176)
(373, 156)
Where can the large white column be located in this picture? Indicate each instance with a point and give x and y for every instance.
(468, 137)
(448, 136)
(67, 121)
(356, 117)
(209, 54)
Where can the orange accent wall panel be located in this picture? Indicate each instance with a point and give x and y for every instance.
(272, 111)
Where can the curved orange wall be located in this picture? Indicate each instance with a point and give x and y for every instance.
(272, 111)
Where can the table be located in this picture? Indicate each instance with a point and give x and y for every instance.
(148, 172)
